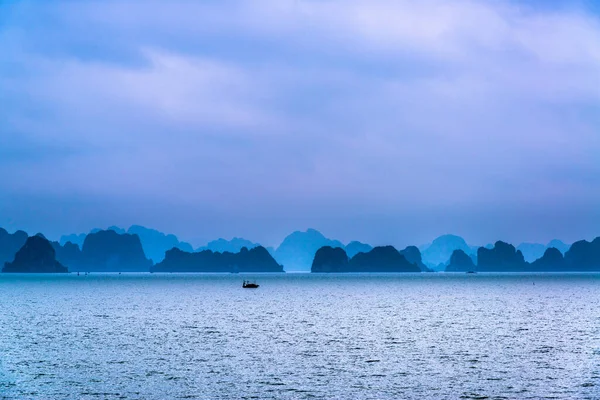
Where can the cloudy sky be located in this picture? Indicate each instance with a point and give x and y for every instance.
(383, 121)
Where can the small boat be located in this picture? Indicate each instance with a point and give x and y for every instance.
(471, 272)
(249, 285)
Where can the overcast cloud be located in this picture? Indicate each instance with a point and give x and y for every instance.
(382, 121)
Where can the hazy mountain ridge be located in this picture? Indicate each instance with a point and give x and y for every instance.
(104, 251)
(503, 257)
(154, 242)
(298, 250)
(36, 256)
(256, 259)
(232, 246)
(380, 259)
(441, 249)
(437, 254)
(10, 243)
(534, 251)
(355, 247)
(460, 262)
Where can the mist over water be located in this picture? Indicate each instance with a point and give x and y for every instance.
(300, 336)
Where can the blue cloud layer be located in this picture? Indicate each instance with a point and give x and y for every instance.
(380, 120)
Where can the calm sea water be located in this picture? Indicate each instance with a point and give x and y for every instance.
(153, 336)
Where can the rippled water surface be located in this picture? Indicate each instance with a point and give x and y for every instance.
(153, 336)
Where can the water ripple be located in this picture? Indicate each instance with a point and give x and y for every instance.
(442, 336)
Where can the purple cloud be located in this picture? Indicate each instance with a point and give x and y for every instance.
(385, 121)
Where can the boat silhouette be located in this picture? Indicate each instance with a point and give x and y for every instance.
(249, 285)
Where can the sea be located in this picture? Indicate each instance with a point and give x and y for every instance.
(300, 336)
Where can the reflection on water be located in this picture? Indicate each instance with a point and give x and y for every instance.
(299, 336)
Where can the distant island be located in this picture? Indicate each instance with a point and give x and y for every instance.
(582, 256)
(10, 244)
(355, 247)
(231, 246)
(36, 256)
(380, 259)
(298, 249)
(460, 262)
(154, 243)
(104, 251)
(437, 254)
(257, 259)
(140, 249)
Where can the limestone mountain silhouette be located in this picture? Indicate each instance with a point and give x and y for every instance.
(256, 259)
(460, 262)
(36, 256)
(298, 249)
(10, 244)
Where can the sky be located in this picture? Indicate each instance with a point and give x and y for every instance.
(389, 122)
